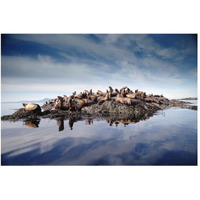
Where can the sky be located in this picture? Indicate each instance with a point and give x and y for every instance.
(38, 66)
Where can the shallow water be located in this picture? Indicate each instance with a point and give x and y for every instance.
(167, 138)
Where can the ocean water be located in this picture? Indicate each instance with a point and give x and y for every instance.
(167, 138)
(10, 108)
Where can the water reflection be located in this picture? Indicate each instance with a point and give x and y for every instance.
(60, 123)
(116, 120)
(168, 138)
(32, 123)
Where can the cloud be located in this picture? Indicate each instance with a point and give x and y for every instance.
(135, 60)
(167, 53)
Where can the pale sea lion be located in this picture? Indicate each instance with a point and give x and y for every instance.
(31, 107)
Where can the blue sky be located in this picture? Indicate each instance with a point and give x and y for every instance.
(36, 66)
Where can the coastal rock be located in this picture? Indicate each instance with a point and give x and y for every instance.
(112, 103)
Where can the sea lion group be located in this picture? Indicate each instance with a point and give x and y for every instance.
(123, 96)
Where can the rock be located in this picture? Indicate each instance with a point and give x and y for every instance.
(112, 104)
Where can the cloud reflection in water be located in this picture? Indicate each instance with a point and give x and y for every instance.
(165, 139)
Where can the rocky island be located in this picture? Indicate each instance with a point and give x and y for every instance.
(113, 103)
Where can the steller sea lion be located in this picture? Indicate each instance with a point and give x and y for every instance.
(59, 103)
(78, 96)
(100, 93)
(131, 95)
(32, 107)
(123, 93)
(126, 100)
(81, 103)
(104, 99)
(111, 90)
(71, 104)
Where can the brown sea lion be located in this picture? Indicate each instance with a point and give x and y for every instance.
(81, 103)
(78, 96)
(71, 104)
(111, 90)
(122, 89)
(115, 92)
(100, 93)
(65, 98)
(149, 99)
(104, 99)
(131, 95)
(93, 98)
(123, 93)
(59, 103)
(32, 107)
(126, 100)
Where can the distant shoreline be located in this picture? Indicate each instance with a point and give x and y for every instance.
(190, 98)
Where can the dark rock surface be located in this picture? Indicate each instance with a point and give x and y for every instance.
(115, 104)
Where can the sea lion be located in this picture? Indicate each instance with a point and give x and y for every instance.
(111, 90)
(115, 92)
(71, 104)
(149, 99)
(93, 98)
(100, 93)
(132, 96)
(78, 96)
(32, 107)
(59, 103)
(121, 100)
(104, 99)
(81, 103)
(123, 93)
(122, 89)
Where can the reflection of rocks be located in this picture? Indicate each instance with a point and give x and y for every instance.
(32, 123)
(60, 123)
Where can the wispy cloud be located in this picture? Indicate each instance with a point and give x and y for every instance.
(136, 60)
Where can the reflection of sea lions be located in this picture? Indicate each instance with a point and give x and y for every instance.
(32, 123)
(60, 123)
(71, 123)
(89, 121)
(31, 107)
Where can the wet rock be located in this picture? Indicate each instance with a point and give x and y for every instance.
(126, 105)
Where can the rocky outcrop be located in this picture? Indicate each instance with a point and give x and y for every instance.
(112, 103)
